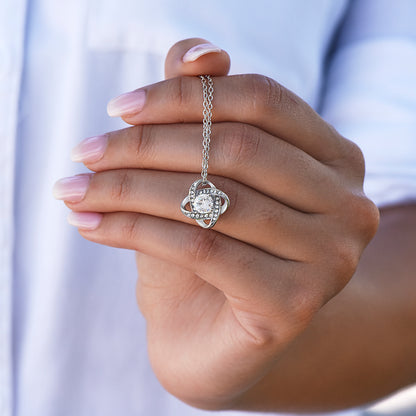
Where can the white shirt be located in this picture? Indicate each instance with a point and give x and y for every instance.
(72, 341)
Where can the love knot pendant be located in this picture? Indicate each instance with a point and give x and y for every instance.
(206, 203)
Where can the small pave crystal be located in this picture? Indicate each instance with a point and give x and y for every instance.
(203, 203)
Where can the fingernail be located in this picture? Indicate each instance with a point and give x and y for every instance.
(128, 103)
(90, 150)
(72, 189)
(199, 50)
(85, 220)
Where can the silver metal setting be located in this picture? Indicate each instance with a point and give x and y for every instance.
(220, 203)
(206, 202)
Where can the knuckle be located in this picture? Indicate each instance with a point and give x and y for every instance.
(355, 159)
(121, 187)
(269, 95)
(202, 245)
(140, 142)
(342, 259)
(130, 229)
(267, 217)
(303, 299)
(366, 216)
(357, 222)
(240, 144)
(372, 219)
(266, 92)
(348, 159)
(181, 92)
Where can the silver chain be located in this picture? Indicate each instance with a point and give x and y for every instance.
(206, 202)
(208, 95)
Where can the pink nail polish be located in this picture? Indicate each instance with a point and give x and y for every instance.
(199, 50)
(90, 150)
(72, 189)
(128, 103)
(85, 220)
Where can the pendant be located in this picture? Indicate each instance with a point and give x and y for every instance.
(206, 203)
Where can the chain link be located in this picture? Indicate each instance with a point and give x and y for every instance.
(205, 200)
(208, 95)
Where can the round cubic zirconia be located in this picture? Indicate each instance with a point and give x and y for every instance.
(203, 203)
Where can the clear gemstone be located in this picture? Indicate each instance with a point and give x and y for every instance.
(203, 203)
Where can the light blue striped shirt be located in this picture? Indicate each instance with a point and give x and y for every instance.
(72, 341)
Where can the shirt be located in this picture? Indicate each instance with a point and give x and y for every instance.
(72, 341)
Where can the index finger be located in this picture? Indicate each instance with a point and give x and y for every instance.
(252, 99)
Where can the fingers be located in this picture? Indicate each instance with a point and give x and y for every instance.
(241, 152)
(154, 283)
(237, 269)
(196, 56)
(249, 99)
(252, 217)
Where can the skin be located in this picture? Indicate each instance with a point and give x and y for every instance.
(259, 313)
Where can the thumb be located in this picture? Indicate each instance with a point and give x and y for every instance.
(196, 56)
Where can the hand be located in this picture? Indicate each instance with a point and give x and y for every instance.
(222, 305)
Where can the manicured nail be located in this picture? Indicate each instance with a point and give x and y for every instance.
(126, 104)
(72, 189)
(85, 220)
(199, 50)
(90, 150)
